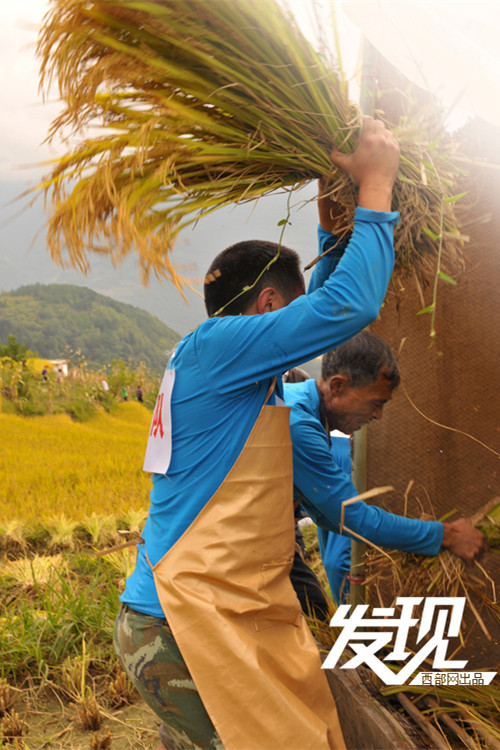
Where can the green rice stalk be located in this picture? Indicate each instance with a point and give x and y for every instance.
(184, 106)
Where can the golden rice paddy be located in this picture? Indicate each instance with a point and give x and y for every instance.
(51, 466)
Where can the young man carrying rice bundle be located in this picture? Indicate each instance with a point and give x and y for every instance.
(210, 630)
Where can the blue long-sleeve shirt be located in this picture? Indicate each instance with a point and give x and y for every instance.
(335, 549)
(322, 485)
(223, 371)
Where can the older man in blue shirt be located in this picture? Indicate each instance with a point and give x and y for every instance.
(356, 382)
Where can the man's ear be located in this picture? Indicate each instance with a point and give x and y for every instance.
(338, 384)
(267, 301)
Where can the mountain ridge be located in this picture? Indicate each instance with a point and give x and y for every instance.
(24, 258)
(52, 318)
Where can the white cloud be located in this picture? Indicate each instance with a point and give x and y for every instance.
(24, 118)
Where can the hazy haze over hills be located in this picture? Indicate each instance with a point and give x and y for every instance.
(54, 318)
(24, 258)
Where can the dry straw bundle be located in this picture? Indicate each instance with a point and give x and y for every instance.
(203, 104)
(452, 714)
(404, 574)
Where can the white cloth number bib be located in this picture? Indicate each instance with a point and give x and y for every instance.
(159, 448)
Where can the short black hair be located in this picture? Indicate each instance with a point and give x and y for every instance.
(236, 269)
(361, 359)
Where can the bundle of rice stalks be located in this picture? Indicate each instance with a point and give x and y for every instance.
(205, 104)
(405, 574)
(455, 712)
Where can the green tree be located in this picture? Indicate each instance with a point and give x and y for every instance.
(52, 317)
(16, 351)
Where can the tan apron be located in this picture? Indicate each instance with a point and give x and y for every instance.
(225, 590)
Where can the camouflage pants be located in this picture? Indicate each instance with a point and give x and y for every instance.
(154, 664)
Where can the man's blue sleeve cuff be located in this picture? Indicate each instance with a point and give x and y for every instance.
(438, 537)
(376, 217)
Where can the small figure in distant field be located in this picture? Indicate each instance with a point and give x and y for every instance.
(139, 394)
(124, 393)
(104, 383)
(45, 373)
(59, 376)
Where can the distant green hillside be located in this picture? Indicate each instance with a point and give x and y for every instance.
(49, 318)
